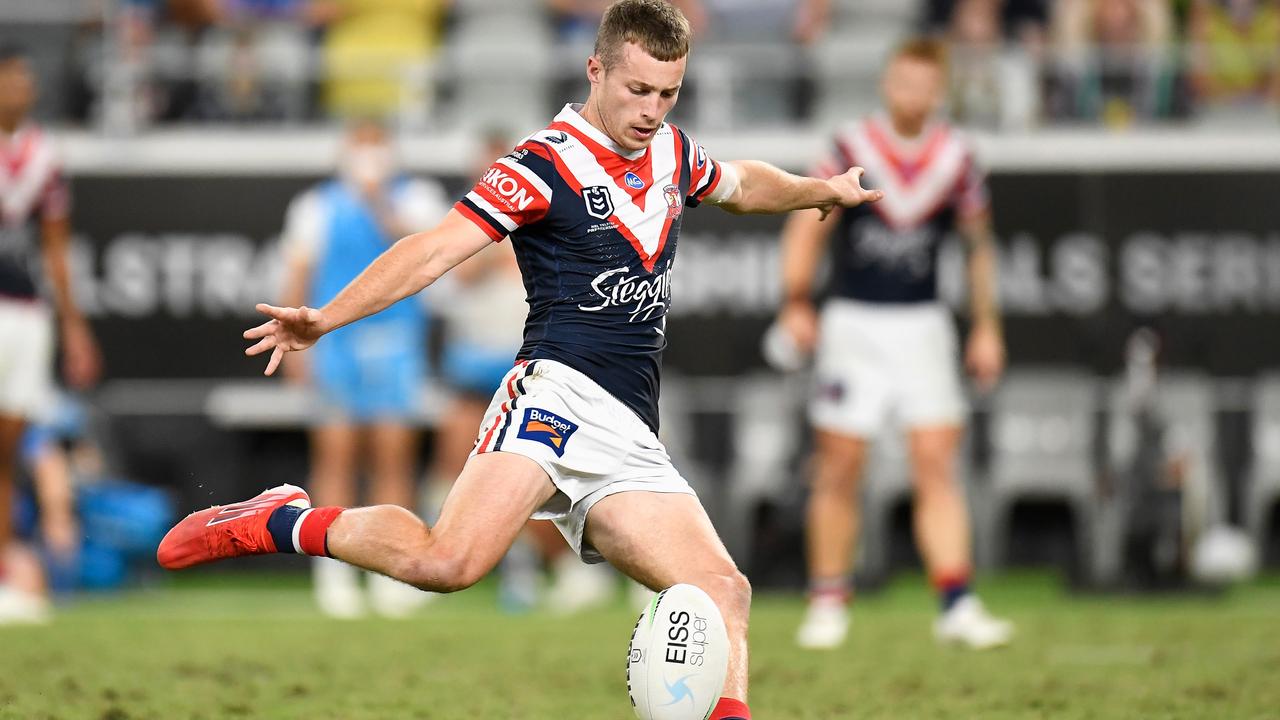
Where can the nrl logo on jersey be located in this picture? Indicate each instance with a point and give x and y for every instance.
(598, 201)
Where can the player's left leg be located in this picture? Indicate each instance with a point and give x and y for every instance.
(941, 521)
(661, 539)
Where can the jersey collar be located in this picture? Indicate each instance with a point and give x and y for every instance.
(572, 114)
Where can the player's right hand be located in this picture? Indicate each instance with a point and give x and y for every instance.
(800, 320)
(288, 329)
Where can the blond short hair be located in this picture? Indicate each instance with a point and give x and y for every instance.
(655, 25)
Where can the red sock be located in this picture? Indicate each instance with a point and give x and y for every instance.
(313, 529)
(730, 709)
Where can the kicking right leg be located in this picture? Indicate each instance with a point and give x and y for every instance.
(487, 508)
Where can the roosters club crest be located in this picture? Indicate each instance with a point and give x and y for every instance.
(675, 203)
(598, 201)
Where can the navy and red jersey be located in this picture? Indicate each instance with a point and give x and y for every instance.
(32, 191)
(887, 251)
(594, 229)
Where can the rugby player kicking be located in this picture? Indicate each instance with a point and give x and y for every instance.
(593, 205)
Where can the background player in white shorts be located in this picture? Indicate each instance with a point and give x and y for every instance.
(34, 233)
(886, 347)
(592, 205)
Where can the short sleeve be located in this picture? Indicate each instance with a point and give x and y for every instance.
(708, 181)
(514, 191)
(421, 204)
(303, 236)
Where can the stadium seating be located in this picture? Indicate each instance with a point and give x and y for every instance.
(1041, 435)
(499, 55)
(1263, 491)
(1186, 403)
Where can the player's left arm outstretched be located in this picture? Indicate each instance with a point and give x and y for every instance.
(763, 188)
(405, 269)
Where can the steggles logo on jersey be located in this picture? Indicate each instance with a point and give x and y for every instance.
(645, 297)
(598, 201)
(675, 204)
(633, 181)
(899, 250)
(547, 428)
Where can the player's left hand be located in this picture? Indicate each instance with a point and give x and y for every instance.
(984, 355)
(288, 330)
(849, 191)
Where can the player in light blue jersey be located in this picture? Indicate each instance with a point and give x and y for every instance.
(370, 376)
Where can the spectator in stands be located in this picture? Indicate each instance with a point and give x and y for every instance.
(576, 21)
(371, 378)
(157, 43)
(1235, 53)
(374, 50)
(992, 85)
(1112, 60)
(1021, 21)
(255, 64)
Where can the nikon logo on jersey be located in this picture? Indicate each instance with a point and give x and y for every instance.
(547, 428)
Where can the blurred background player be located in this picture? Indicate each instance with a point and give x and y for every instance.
(371, 378)
(483, 308)
(885, 345)
(34, 233)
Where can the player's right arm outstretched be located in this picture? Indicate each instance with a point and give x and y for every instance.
(413, 263)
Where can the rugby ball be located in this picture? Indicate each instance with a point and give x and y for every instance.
(678, 657)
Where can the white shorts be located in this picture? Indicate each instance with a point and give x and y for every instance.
(26, 358)
(590, 444)
(876, 363)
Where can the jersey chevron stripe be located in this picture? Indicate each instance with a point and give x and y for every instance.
(907, 201)
(645, 228)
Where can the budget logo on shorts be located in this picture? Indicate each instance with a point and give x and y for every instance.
(547, 428)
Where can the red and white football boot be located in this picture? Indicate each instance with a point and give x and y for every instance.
(225, 531)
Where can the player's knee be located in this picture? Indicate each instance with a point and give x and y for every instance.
(935, 472)
(442, 570)
(837, 472)
(731, 590)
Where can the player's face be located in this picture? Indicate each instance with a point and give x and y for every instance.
(17, 88)
(634, 96)
(913, 90)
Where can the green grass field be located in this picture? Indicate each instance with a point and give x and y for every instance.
(218, 646)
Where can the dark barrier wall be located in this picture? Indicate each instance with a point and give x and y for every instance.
(170, 269)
